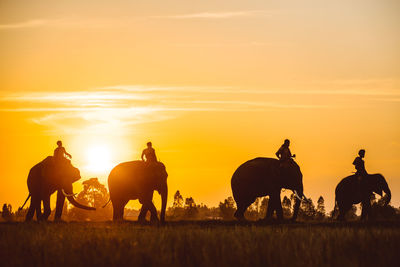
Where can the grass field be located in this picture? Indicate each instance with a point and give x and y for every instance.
(199, 244)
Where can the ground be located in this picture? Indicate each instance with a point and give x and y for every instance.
(205, 243)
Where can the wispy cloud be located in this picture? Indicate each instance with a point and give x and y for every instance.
(216, 15)
(106, 108)
(70, 22)
(233, 44)
(25, 24)
(362, 91)
(104, 22)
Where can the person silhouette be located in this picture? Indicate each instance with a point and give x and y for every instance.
(283, 153)
(360, 165)
(60, 153)
(149, 153)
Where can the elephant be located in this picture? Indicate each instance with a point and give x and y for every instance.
(352, 190)
(266, 176)
(138, 180)
(43, 180)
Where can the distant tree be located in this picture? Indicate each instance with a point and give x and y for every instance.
(307, 210)
(205, 213)
(253, 212)
(320, 212)
(177, 210)
(292, 198)
(189, 203)
(20, 214)
(6, 212)
(178, 200)
(264, 207)
(381, 211)
(227, 208)
(191, 210)
(352, 213)
(286, 207)
(372, 199)
(94, 194)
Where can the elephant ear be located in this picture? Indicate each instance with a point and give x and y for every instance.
(50, 175)
(154, 174)
(57, 176)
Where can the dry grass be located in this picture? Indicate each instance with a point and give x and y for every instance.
(199, 244)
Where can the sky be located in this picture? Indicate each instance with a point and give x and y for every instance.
(211, 83)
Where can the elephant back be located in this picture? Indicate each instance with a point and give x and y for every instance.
(47, 174)
(254, 175)
(258, 167)
(138, 173)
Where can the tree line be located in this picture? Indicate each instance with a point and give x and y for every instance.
(95, 194)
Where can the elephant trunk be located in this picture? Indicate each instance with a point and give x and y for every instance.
(299, 195)
(296, 209)
(78, 205)
(388, 195)
(164, 196)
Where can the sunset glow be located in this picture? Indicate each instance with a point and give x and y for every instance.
(99, 159)
(211, 85)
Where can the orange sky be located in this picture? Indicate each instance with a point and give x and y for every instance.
(211, 84)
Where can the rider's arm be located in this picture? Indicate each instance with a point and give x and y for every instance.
(278, 153)
(66, 153)
(143, 155)
(290, 153)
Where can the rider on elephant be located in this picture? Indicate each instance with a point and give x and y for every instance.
(360, 165)
(149, 153)
(284, 155)
(60, 154)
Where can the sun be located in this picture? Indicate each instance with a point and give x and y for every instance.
(98, 159)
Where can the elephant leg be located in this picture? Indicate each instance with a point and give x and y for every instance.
(343, 209)
(47, 210)
(153, 212)
(143, 213)
(241, 208)
(366, 207)
(118, 209)
(278, 208)
(32, 208)
(274, 204)
(39, 210)
(59, 206)
(270, 209)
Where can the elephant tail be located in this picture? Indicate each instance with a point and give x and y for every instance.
(20, 208)
(335, 209)
(107, 203)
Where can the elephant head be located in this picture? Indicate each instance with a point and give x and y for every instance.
(64, 182)
(293, 179)
(377, 183)
(159, 175)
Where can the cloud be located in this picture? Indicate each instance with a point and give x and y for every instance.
(216, 15)
(260, 104)
(233, 44)
(104, 109)
(26, 24)
(347, 91)
(93, 23)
